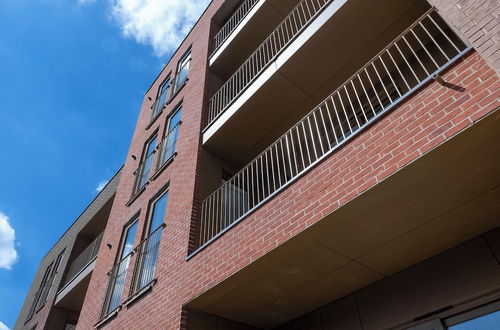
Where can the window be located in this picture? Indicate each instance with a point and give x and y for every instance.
(143, 172)
(148, 251)
(483, 318)
(41, 295)
(171, 134)
(182, 71)
(162, 97)
(36, 300)
(118, 274)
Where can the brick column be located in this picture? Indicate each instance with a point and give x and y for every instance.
(479, 22)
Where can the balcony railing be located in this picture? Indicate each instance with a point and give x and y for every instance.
(232, 23)
(85, 258)
(116, 283)
(145, 262)
(423, 50)
(304, 13)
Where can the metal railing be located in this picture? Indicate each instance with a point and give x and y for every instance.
(144, 171)
(232, 23)
(116, 283)
(426, 48)
(86, 257)
(145, 262)
(168, 146)
(302, 14)
(174, 85)
(165, 150)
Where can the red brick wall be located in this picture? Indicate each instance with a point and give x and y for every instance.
(479, 22)
(421, 123)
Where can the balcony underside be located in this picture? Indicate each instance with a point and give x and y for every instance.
(341, 40)
(72, 295)
(252, 30)
(444, 198)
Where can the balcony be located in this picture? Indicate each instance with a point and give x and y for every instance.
(316, 48)
(242, 29)
(77, 278)
(420, 53)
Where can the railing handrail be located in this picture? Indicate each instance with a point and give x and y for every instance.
(232, 23)
(160, 227)
(358, 108)
(145, 262)
(298, 21)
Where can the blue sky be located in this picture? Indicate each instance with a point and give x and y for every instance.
(72, 77)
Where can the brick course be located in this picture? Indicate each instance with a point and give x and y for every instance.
(479, 22)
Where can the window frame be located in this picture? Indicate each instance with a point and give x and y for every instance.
(471, 314)
(166, 131)
(137, 286)
(120, 256)
(152, 202)
(157, 109)
(139, 172)
(186, 60)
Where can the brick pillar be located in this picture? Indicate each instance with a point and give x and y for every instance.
(479, 22)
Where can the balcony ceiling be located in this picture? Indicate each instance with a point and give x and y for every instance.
(307, 72)
(446, 197)
(72, 296)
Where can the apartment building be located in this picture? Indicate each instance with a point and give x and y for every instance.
(56, 295)
(311, 164)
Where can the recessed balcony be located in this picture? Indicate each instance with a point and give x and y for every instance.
(74, 287)
(424, 49)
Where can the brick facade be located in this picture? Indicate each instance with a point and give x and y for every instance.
(426, 120)
(479, 22)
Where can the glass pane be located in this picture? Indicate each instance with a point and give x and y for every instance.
(175, 119)
(146, 167)
(151, 147)
(485, 322)
(164, 94)
(128, 244)
(158, 212)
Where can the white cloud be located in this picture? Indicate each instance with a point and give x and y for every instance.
(8, 254)
(3, 326)
(159, 23)
(101, 185)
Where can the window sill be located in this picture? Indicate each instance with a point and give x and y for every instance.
(137, 194)
(153, 120)
(108, 317)
(141, 293)
(163, 166)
